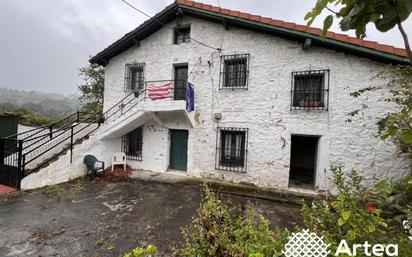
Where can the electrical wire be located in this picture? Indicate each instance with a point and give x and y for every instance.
(167, 26)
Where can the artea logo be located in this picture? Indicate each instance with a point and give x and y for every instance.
(308, 244)
(305, 244)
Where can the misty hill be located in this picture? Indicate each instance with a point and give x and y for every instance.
(47, 104)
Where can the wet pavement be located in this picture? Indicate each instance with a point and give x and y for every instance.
(98, 218)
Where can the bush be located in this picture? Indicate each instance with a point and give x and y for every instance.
(354, 216)
(222, 230)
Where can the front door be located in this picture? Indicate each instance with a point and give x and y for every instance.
(178, 149)
(180, 82)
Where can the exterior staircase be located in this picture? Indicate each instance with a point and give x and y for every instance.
(53, 147)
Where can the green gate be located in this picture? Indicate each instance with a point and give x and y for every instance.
(8, 125)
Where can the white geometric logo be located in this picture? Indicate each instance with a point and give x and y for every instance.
(408, 227)
(305, 244)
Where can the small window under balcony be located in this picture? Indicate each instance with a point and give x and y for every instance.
(132, 144)
(310, 90)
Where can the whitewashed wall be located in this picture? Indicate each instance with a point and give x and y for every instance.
(264, 108)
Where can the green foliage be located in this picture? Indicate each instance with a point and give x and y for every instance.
(28, 117)
(36, 108)
(149, 251)
(92, 88)
(356, 14)
(395, 198)
(350, 216)
(358, 215)
(222, 230)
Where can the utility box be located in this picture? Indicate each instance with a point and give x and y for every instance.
(8, 124)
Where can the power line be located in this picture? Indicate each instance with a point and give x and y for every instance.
(167, 26)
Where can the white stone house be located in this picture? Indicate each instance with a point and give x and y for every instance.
(271, 101)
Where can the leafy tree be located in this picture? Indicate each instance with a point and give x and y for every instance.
(92, 88)
(356, 14)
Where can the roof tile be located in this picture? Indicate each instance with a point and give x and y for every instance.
(266, 20)
(215, 9)
(385, 48)
(198, 5)
(289, 25)
(244, 15)
(255, 18)
(188, 3)
(301, 28)
(297, 27)
(400, 51)
(224, 11)
(207, 7)
(234, 13)
(277, 23)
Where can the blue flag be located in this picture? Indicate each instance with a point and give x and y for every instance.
(190, 97)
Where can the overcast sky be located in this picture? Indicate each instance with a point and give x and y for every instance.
(43, 43)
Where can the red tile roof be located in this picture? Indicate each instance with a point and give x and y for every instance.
(296, 27)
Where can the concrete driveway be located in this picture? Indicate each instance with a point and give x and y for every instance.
(98, 218)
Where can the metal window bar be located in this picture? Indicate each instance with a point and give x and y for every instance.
(132, 144)
(231, 149)
(310, 90)
(234, 71)
(134, 77)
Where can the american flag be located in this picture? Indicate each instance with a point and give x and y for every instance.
(160, 91)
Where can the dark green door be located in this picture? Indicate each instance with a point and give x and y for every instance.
(178, 149)
(180, 82)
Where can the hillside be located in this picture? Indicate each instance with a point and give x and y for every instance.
(50, 105)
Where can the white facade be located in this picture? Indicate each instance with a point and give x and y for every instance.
(264, 108)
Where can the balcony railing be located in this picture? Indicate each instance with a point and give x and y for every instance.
(165, 89)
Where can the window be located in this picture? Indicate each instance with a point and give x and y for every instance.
(234, 71)
(132, 144)
(182, 35)
(231, 149)
(310, 90)
(134, 80)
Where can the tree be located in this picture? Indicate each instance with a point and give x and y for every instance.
(356, 14)
(92, 88)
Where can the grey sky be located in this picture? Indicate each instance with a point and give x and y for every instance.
(45, 42)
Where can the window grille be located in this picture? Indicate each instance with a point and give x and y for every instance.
(132, 144)
(182, 35)
(234, 71)
(134, 77)
(310, 90)
(231, 149)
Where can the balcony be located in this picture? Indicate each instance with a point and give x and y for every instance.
(161, 101)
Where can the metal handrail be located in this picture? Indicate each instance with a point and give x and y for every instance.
(93, 120)
(44, 127)
(64, 139)
(58, 136)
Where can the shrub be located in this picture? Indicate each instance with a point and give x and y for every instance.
(353, 215)
(149, 251)
(222, 230)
